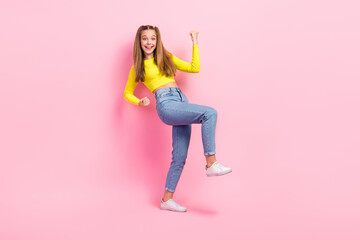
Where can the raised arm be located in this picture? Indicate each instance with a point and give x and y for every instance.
(194, 66)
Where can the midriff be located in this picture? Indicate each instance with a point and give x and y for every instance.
(167, 85)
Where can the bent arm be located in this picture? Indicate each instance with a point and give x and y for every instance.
(130, 87)
(192, 67)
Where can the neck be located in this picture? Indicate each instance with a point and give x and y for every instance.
(150, 56)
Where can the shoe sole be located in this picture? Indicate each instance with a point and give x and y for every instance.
(218, 174)
(168, 209)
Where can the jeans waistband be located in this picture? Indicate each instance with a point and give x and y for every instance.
(167, 90)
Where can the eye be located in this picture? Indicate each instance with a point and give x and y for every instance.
(153, 39)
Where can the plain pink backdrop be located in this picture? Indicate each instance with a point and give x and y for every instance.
(79, 162)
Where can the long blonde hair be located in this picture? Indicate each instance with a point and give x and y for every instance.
(161, 55)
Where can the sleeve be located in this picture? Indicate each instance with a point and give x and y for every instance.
(192, 67)
(130, 87)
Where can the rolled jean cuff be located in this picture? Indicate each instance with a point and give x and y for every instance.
(170, 190)
(209, 153)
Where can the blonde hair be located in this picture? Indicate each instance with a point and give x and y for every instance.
(162, 57)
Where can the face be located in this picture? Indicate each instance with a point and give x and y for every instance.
(148, 42)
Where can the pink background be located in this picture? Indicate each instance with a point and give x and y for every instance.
(79, 162)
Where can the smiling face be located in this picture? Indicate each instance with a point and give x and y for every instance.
(148, 43)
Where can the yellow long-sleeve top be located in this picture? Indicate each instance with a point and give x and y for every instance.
(153, 77)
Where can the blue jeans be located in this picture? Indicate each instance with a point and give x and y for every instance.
(174, 109)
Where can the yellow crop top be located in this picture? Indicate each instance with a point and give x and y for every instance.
(153, 77)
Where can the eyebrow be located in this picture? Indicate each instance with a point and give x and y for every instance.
(146, 36)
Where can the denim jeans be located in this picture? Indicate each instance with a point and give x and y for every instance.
(174, 109)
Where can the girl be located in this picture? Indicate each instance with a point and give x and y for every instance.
(155, 67)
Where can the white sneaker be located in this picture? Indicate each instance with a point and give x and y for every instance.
(217, 170)
(172, 206)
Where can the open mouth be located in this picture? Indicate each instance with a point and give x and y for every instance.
(149, 47)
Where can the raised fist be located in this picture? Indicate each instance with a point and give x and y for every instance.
(194, 36)
(144, 102)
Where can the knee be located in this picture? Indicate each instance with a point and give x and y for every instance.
(211, 113)
(178, 162)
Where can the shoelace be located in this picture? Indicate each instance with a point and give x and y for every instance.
(220, 166)
(214, 164)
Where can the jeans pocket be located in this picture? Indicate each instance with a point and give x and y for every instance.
(168, 97)
(164, 94)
